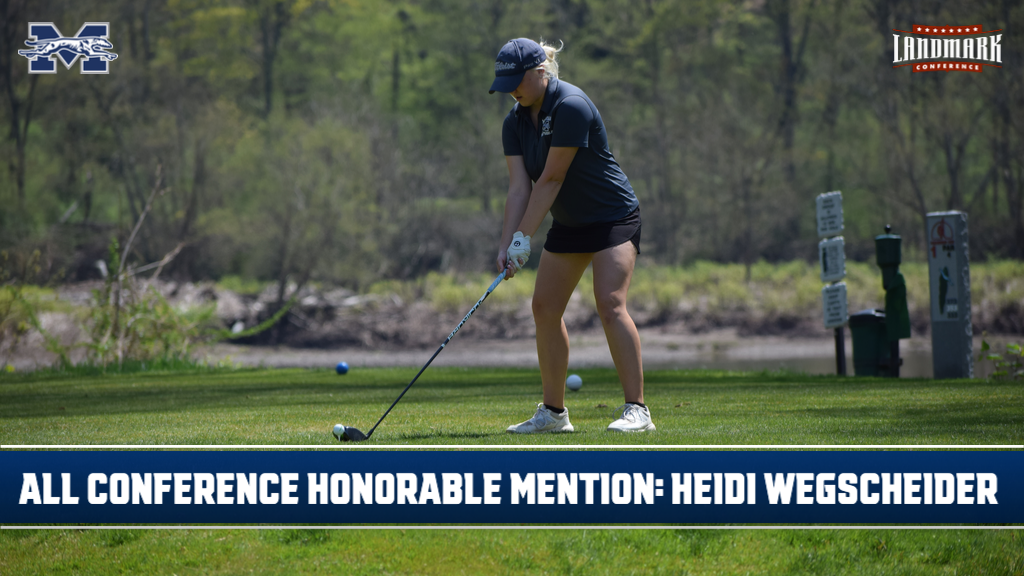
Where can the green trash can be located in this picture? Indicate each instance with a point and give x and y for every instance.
(870, 343)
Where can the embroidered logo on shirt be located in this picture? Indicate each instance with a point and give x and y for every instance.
(545, 126)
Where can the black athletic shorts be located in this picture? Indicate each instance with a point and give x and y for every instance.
(594, 237)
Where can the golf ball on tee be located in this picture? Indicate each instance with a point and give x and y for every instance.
(339, 429)
(341, 368)
(573, 382)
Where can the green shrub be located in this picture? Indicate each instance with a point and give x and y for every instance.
(1008, 365)
(21, 304)
(129, 320)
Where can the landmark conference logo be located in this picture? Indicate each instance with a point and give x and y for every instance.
(947, 48)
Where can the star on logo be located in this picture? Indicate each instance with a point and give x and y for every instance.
(926, 29)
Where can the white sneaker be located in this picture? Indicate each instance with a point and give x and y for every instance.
(635, 418)
(543, 421)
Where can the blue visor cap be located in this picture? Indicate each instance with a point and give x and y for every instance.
(516, 57)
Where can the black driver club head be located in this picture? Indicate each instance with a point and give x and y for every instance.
(348, 434)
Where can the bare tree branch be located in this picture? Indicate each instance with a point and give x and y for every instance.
(157, 191)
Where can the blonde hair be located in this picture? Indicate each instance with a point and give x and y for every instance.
(551, 64)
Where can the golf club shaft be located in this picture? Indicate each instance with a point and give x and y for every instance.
(445, 343)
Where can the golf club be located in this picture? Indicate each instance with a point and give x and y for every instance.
(350, 434)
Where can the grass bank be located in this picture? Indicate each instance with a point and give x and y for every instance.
(777, 297)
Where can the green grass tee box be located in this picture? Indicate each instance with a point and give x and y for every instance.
(474, 406)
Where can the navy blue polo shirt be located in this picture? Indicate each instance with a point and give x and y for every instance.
(595, 189)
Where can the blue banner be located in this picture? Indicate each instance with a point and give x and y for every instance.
(515, 487)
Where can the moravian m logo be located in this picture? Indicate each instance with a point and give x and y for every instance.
(48, 45)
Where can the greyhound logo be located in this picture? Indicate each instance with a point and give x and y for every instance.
(48, 45)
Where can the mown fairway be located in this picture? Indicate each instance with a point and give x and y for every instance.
(474, 406)
(459, 406)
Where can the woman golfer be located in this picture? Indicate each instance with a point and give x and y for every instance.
(558, 159)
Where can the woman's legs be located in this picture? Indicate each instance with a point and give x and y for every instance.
(557, 277)
(613, 270)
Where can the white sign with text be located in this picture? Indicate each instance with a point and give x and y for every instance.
(830, 213)
(832, 255)
(834, 302)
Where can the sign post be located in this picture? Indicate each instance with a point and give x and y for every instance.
(832, 254)
(949, 279)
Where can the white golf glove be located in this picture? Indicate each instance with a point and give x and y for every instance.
(519, 250)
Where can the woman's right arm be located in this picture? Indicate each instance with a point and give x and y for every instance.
(519, 189)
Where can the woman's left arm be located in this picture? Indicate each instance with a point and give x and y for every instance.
(546, 189)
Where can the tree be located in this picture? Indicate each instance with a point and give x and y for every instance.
(14, 17)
